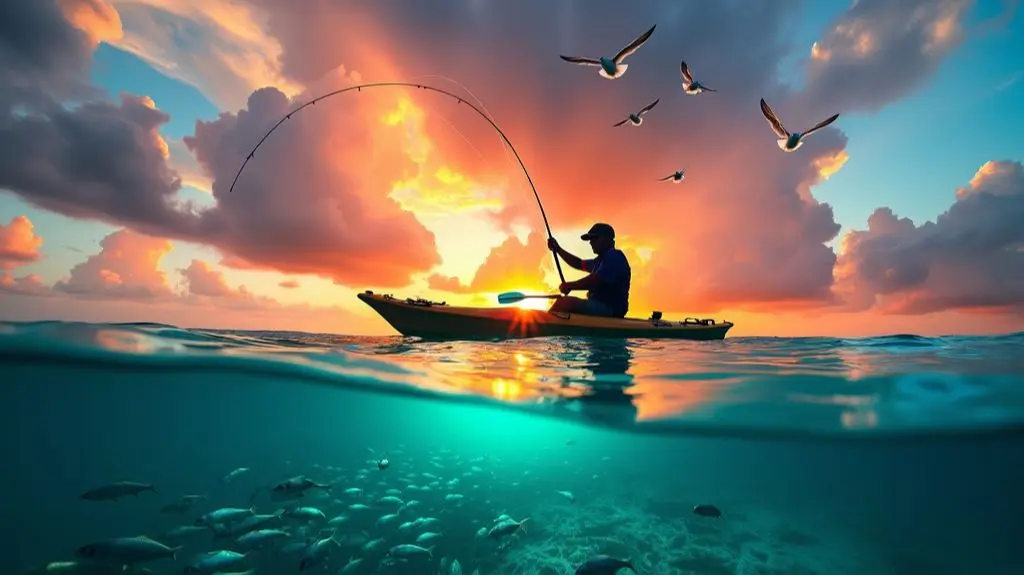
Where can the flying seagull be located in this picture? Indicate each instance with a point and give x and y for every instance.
(789, 142)
(691, 86)
(638, 118)
(612, 68)
(676, 177)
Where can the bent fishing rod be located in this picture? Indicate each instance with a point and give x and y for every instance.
(459, 99)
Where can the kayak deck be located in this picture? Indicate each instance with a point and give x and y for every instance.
(438, 320)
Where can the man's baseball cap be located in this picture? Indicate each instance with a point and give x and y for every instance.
(598, 230)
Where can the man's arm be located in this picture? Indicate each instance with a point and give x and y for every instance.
(612, 268)
(573, 261)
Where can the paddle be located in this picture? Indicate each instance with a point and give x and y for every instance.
(514, 296)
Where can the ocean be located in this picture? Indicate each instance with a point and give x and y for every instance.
(899, 455)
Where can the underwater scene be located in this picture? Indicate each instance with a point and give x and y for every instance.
(153, 449)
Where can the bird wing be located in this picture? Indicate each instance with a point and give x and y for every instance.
(668, 177)
(634, 45)
(581, 60)
(648, 107)
(706, 89)
(620, 123)
(821, 125)
(685, 71)
(773, 120)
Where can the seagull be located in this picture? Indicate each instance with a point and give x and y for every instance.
(676, 177)
(638, 118)
(789, 142)
(691, 86)
(612, 68)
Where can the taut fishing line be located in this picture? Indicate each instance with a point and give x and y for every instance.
(459, 99)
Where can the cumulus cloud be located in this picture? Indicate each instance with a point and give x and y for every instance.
(513, 263)
(879, 51)
(19, 244)
(126, 274)
(970, 257)
(126, 267)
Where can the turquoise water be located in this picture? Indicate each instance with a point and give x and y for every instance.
(897, 455)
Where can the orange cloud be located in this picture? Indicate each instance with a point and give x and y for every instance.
(124, 282)
(19, 244)
(289, 284)
(513, 265)
(127, 267)
(96, 18)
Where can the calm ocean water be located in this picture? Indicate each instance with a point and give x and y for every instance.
(894, 455)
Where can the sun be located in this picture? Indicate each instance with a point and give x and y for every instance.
(534, 303)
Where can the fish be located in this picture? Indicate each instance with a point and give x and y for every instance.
(318, 551)
(406, 550)
(691, 86)
(297, 486)
(225, 515)
(128, 550)
(568, 495)
(790, 142)
(115, 491)
(216, 562)
(676, 177)
(506, 528)
(612, 68)
(230, 476)
(637, 118)
(261, 538)
(604, 565)
(705, 510)
(307, 513)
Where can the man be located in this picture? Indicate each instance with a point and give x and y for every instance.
(607, 284)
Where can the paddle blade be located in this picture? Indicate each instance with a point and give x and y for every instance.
(511, 297)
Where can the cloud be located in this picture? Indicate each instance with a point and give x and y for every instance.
(879, 51)
(512, 264)
(289, 284)
(217, 46)
(19, 244)
(127, 267)
(971, 257)
(126, 274)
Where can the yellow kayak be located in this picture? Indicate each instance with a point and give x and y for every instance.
(422, 318)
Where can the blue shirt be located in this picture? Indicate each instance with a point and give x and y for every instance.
(612, 267)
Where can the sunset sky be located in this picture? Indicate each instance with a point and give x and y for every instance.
(125, 121)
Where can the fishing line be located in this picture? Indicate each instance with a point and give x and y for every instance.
(476, 99)
(459, 99)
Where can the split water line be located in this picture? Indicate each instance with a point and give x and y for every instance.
(459, 99)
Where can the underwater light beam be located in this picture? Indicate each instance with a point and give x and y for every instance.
(459, 99)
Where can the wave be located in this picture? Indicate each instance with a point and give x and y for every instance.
(900, 386)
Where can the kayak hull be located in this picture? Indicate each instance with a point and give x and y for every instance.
(437, 320)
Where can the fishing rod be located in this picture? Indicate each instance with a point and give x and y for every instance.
(459, 99)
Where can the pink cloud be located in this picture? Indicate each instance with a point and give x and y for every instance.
(125, 268)
(19, 244)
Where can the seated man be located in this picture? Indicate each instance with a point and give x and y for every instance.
(608, 283)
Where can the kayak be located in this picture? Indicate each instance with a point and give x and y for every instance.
(438, 320)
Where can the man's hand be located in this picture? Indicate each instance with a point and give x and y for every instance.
(553, 244)
(564, 288)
